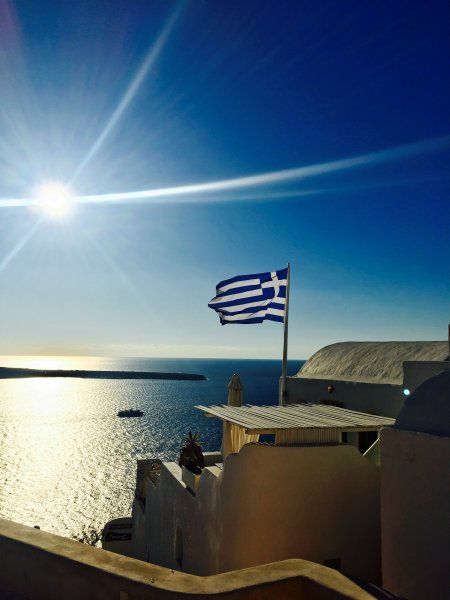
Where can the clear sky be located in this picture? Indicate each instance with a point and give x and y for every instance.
(142, 95)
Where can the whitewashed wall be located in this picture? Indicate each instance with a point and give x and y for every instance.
(378, 398)
(269, 503)
(415, 509)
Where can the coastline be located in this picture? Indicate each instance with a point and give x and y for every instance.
(18, 373)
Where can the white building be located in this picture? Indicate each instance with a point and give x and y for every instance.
(373, 377)
(415, 495)
(308, 496)
(367, 376)
(312, 494)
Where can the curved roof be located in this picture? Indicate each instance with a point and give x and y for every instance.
(428, 408)
(372, 362)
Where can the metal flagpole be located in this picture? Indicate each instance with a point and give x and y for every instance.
(283, 393)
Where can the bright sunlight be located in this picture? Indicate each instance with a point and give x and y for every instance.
(54, 199)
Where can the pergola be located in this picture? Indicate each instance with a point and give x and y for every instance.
(292, 424)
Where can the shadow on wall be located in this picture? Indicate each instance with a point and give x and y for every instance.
(40, 565)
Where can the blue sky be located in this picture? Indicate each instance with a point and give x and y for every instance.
(116, 97)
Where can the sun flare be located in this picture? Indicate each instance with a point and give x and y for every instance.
(54, 199)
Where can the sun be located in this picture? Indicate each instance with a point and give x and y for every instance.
(54, 199)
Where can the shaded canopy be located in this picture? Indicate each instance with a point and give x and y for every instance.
(307, 416)
(372, 362)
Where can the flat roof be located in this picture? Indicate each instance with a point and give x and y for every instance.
(269, 419)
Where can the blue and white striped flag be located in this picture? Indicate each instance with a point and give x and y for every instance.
(251, 298)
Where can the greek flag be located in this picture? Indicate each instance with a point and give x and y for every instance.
(251, 298)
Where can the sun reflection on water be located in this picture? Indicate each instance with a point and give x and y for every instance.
(64, 460)
(67, 461)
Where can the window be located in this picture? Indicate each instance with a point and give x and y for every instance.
(267, 438)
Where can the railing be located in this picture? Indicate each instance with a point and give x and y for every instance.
(373, 452)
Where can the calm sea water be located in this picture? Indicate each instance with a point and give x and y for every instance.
(67, 461)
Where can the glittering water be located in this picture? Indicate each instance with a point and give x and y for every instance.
(67, 461)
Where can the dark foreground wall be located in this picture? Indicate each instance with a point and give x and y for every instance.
(38, 565)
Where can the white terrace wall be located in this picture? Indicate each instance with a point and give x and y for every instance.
(415, 509)
(377, 398)
(312, 502)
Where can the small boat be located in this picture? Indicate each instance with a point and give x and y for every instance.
(130, 412)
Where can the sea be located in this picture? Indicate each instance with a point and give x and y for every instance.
(68, 462)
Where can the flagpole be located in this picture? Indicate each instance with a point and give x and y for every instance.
(283, 393)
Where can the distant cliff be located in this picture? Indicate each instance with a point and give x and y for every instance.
(15, 373)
